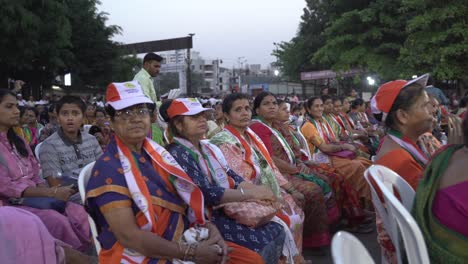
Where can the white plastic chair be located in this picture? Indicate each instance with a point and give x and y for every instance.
(399, 220)
(392, 180)
(83, 179)
(86, 128)
(37, 149)
(347, 249)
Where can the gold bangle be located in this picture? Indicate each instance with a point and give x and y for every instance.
(55, 191)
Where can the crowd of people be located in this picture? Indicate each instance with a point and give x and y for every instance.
(263, 179)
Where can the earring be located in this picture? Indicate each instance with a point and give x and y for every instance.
(227, 121)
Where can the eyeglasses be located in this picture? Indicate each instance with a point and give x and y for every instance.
(127, 114)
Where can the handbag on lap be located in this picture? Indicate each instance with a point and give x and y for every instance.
(251, 213)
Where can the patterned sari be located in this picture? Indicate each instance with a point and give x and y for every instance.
(253, 163)
(346, 198)
(444, 244)
(317, 133)
(320, 207)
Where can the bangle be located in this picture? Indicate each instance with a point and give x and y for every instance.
(242, 191)
(189, 254)
(55, 191)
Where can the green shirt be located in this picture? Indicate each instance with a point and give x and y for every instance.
(146, 82)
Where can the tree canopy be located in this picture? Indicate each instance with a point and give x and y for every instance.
(42, 39)
(391, 38)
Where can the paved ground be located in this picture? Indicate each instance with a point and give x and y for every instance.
(369, 241)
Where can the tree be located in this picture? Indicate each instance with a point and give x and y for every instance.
(43, 39)
(368, 37)
(96, 55)
(437, 39)
(35, 40)
(295, 56)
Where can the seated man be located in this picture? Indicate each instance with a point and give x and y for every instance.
(67, 151)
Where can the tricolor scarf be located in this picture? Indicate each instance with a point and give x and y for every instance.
(409, 146)
(184, 186)
(277, 134)
(249, 156)
(211, 161)
(340, 121)
(318, 155)
(301, 142)
(348, 119)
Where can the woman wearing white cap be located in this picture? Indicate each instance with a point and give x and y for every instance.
(407, 113)
(206, 165)
(140, 198)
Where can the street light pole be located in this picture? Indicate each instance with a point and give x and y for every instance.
(189, 69)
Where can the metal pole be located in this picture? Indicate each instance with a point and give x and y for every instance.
(189, 70)
(189, 73)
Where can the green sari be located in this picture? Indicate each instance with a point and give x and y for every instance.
(443, 244)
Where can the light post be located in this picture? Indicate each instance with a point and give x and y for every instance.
(189, 68)
(240, 61)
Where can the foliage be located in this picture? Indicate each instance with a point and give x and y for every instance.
(36, 38)
(42, 39)
(370, 38)
(295, 56)
(389, 38)
(437, 39)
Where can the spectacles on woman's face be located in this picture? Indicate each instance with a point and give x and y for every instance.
(129, 113)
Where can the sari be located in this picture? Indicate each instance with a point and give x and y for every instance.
(253, 162)
(340, 134)
(346, 198)
(428, 144)
(163, 198)
(317, 132)
(319, 208)
(444, 243)
(209, 171)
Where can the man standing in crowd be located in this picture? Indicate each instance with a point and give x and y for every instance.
(151, 68)
(68, 150)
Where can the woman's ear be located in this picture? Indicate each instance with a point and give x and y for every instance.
(402, 116)
(179, 126)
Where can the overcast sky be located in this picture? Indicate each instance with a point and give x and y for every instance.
(225, 29)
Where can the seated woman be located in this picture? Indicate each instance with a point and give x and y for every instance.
(440, 204)
(139, 195)
(248, 157)
(207, 167)
(319, 204)
(22, 231)
(407, 114)
(324, 149)
(427, 142)
(19, 177)
(101, 128)
(218, 124)
(345, 200)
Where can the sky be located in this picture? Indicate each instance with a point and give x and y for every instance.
(224, 29)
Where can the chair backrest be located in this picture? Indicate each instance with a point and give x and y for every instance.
(413, 239)
(389, 225)
(86, 128)
(83, 179)
(392, 180)
(347, 249)
(37, 150)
